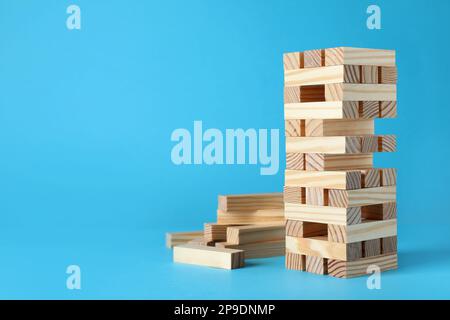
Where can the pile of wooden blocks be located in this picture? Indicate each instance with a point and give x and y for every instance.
(341, 214)
(248, 226)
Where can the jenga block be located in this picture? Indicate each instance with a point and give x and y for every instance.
(292, 95)
(321, 162)
(312, 58)
(389, 245)
(369, 109)
(320, 247)
(201, 241)
(366, 230)
(215, 232)
(388, 177)
(387, 143)
(294, 194)
(256, 201)
(361, 197)
(265, 216)
(371, 248)
(369, 74)
(322, 75)
(295, 261)
(176, 238)
(294, 128)
(323, 179)
(316, 265)
(295, 161)
(370, 178)
(384, 211)
(321, 128)
(316, 196)
(303, 229)
(291, 60)
(318, 110)
(257, 250)
(255, 233)
(387, 75)
(359, 56)
(208, 256)
(369, 144)
(332, 215)
(350, 269)
(388, 109)
(352, 92)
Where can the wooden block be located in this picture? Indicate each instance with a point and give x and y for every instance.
(369, 74)
(258, 249)
(361, 197)
(387, 143)
(318, 110)
(322, 128)
(370, 178)
(322, 75)
(371, 248)
(294, 194)
(320, 247)
(321, 162)
(369, 144)
(215, 232)
(291, 60)
(325, 214)
(358, 92)
(387, 75)
(292, 95)
(369, 109)
(200, 242)
(384, 211)
(316, 265)
(359, 56)
(303, 229)
(265, 216)
(295, 261)
(176, 238)
(294, 128)
(388, 109)
(251, 202)
(389, 245)
(388, 177)
(255, 233)
(295, 161)
(364, 231)
(350, 269)
(323, 179)
(208, 256)
(316, 196)
(312, 58)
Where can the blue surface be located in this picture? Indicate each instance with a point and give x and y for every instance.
(85, 123)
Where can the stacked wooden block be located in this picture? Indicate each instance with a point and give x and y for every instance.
(341, 211)
(247, 227)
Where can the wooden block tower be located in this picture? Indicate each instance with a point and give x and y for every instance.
(341, 213)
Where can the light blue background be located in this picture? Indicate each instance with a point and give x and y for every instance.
(85, 123)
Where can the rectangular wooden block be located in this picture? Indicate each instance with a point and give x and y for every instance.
(215, 232)
(387, 143)
(383, 211)
(366, 230)
(388, 177)
(324, 179)
(327, 215)
(330, 162)
(303, 229)
(387, 75)
(294, 194)
(255, 233)
(295, 109)
(208, 256)
(369, 109)
(350, 269)
(316, 265)
(251, 202)
(361, 197)
(358, 92)
(294, 261)
(388, 109)
(312, 58)
(294, 128)
(389, 245)
(323, 128)
(359, 56)
(322, 75)
(176, 238)
(321, 247)
(257, 250)
(295, 161)
(369, 74)
(370, 178)
(291, 60)
(371, 248)
(265, 216)
(316, 196)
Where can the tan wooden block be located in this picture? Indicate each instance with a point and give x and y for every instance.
(295, 161)
(388, 75)
(327, 145)
(350, 269)
(359, 56)
(291, 60)
(294, 128)
(316, 196)
(361, 197)
(316, 265)
(358, 92)
(291, 95)
(364, 231)
(389, 245)
(369, 74)
(294, 109)
(370, 178)
(303, 229)
(208, 256)
(325, 214)
(215, 232)
(388, 177)
(384, 211)
(323, 179)
(255, 233)
(322, 75)
(250, 202)
(177, 238)
(387, 143)
(371, 248)
(295, 261)
(321, 128)
(312, 58)
(294, 194)
(258, 250)
(388, 109)
(369, 144)
(369, 109)
(321, 162)
(264, 216)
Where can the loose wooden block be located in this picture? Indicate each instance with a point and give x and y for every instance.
(370, 178)
(320, 247)
(322, 128)
(316, 265)
(388, 75)
(358, 92)
(388, 109)
(303, 229)
(387, 143)
(350, 269)
(324, 179)
(208, 256)
(251, 202)
(359, 56)
(312, 58)
(215, 232)
(295, 161)
(330, 162)
(325, 214)
(384, 211)
(291, 60)
(389, 245)
(294, 261)
(176, 238)
(388, 177)
(361, 197)
(200, 241)
(371, 248)
(294, 109)
(264, 216)
(294, 128)
(364, 231)
(257, 250)
(294, 194)
(255, 233)
(316, 196)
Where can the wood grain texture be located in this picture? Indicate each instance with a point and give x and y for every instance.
(176, 238)
(323, 75)
(208, 256)
(250, 202)
(215, 232)
(371, 248)
(294, 194)
(313, 58)
(366, 230)
(255, 233)
(389, 245)
(295, 161)
(322, 128)
(316, 265)
(303, 229)
(384, 211)
(387, 143)
(294, 128)
(369, 109)
(322, 162)
(387, 75)
(388, 177)
(370, 178)
(350, 269)
(359, 56)
(265, 216)
(291, 60)
(325, 214)
(316, 196)
(292, 95)
(318, 110)
(358, 92)
(388, 109)
(258, 250)
(294, 261)
(361, 197)
(345, 180)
